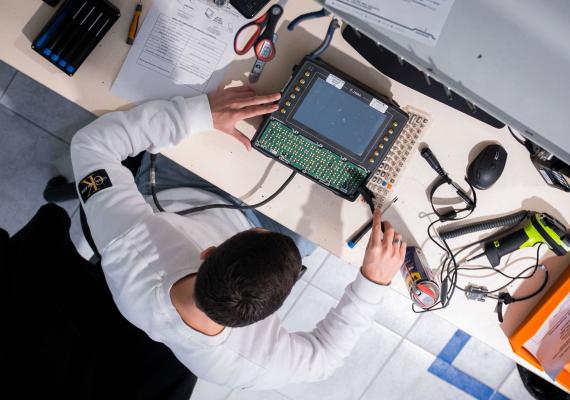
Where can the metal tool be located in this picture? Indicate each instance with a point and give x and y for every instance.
(539, 228)
(361, 232)
(262, 40)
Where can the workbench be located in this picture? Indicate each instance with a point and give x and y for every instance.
(304, 206)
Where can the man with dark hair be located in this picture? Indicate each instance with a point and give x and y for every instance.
(214, 307)
(272, 265)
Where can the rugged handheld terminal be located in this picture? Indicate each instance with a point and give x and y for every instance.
(330, 128)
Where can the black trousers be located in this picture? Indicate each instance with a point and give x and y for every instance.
(61, 333)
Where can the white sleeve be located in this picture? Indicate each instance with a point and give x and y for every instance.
(107, 190)
(313, 356)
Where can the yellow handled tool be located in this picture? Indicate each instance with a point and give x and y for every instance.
(134, 24)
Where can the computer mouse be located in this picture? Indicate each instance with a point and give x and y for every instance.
(487, 167)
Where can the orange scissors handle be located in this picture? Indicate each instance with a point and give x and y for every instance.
(260, 23)
(262, 38)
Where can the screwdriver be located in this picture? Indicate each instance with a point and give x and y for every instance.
(360, 234)
(135, 23)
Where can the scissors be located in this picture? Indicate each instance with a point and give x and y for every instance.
(262, 40)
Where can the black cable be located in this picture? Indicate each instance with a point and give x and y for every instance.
(447, 232)
(516, 137)
(535, 267)
(152, 181)
(449, 271)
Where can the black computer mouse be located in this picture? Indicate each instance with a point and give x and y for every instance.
(487, 167)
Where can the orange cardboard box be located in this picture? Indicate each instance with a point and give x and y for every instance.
(535, 320)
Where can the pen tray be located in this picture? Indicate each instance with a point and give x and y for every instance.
(74, 31)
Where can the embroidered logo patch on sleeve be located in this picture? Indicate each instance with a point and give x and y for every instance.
(93, 183)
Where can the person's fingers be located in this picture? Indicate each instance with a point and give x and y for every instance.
(397, 242)
(243, 88)
(234, 95)
(256, 111)
(376, 235)
(242, 138)
(403, 248)
(258, 100)
(388, 234)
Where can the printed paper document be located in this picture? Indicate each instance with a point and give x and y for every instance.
(551, 344)
(182, 48)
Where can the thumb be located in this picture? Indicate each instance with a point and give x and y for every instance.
(242, 138)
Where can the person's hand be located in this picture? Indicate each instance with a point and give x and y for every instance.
(384, 255)
(231, 105)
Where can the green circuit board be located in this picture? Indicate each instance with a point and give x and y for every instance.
(311, 158)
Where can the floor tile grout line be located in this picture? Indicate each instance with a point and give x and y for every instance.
(36, 125)
(319, 267)
(307, 283)
(500, 385)
(9, 83)
(295, 301)
(381, 368)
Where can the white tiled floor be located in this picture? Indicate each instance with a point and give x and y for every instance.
(311, 307)
(405, 377)
(334, 276)
(493, 372)
(350, 381)
(431, 333)
(396, 313)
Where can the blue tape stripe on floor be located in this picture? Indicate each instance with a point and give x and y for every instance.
(454, 346)
(460, 379)
(442, 368)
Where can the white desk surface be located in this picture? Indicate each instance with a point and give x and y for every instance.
(304, 206)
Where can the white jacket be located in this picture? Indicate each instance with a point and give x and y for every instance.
(144, 253)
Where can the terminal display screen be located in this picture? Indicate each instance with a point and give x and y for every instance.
(340, 117)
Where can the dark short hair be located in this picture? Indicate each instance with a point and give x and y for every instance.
(247, 278)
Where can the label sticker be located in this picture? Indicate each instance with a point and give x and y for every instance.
(93, 183)
(378, 105)
(335, 81)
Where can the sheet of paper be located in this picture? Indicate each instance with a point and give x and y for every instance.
(551, 344)
(421, 20)
(182, 48)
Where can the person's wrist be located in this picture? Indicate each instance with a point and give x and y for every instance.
(375, 276)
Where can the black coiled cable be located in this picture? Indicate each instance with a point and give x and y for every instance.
(507, 220)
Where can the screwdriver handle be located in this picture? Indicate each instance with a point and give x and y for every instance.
(134, 24)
